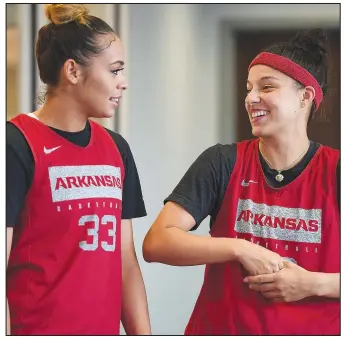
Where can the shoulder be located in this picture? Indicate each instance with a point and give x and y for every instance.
(329, 155)
(122, 145)
(228, 150)
(223, 155)
(211, 168)
(120, 142)
(12, 132)
(15, 139)
(220, 152)
(216, 162)
(124, 150)
(19, 159)
(330, 151)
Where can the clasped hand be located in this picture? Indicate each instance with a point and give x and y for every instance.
(292, 283)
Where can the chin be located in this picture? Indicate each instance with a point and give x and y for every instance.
(257, 132)
(108, 114)
(263, 133)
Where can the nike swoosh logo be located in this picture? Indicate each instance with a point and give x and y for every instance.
(50, 150)
(244, 183)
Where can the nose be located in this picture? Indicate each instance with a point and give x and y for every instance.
(252, 97)
(123, 84)
(123, 87)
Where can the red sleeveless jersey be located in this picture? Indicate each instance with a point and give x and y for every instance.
(64, 274)
(299, 221)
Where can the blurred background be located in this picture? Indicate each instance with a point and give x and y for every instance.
(186, 67)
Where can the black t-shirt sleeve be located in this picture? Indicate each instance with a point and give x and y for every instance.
(19, 172)
(133, 203)
(202, 189)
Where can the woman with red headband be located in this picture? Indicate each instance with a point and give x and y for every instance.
(273, 257)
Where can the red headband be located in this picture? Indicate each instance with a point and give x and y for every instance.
(291, 69)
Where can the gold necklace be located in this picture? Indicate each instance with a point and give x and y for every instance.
(279, 177)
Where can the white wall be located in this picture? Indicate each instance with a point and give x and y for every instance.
(172, 119)
(176, 109)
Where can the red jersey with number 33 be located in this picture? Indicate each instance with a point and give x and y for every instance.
(64, 273)
(299, 221)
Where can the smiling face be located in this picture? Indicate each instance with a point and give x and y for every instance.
(273, 102)
(100, 84)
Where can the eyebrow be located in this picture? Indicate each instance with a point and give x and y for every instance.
(118, 62)
(266, 78)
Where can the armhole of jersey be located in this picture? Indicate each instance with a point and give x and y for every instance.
(27, 140)
(113, 141)
(234, 168)
(227, 191)
(236, 165)
(335, 183)
(240, 147)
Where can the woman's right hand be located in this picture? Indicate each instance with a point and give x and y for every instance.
(259, 260)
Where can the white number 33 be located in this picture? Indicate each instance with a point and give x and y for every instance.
(94, 232)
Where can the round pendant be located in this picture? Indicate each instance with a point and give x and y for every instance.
(279, 177)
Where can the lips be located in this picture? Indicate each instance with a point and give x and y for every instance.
(259, 113)
(256, 115)
(115, 99)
